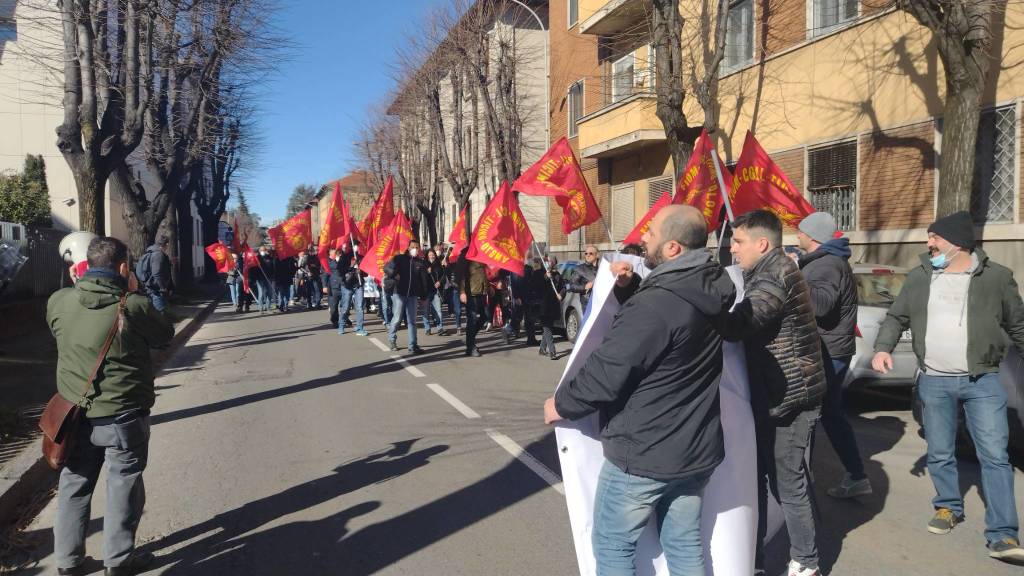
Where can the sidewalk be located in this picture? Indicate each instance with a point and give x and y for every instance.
(28, 363)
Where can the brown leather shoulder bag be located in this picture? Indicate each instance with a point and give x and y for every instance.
(59, 421)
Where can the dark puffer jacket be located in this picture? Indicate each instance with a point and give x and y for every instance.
(775, 320)
(833, 295)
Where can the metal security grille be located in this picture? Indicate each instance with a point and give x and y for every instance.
(992, 197)
(656, 187)
(622, 211)
(832, 182)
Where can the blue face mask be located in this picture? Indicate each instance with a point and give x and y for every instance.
(942, 260)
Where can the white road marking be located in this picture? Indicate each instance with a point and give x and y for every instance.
(409, 367)
(379, 344)
(455, 402)
(525, 457)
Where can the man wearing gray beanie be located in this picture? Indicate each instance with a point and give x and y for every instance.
(958, 304)
(826, 268)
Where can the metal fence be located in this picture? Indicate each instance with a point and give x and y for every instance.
(45, 271)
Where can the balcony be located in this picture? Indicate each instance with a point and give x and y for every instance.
(621, 128)
(609, 17)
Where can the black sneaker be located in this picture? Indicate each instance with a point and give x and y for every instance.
(1007, 550)
(134, 565)
(944, 521)
(393, 346)
(416, 350)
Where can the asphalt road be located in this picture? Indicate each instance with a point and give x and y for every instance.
(279, 447)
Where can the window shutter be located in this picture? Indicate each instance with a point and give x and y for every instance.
(622, 211)
(832, 182)
(995, 184)
(658, 186)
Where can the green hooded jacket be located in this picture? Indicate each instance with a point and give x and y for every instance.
(994, 306)
(80, 318)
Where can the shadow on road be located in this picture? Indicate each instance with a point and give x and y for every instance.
(327, 546)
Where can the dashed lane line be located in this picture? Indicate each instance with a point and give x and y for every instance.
(525, 457)
(383, 347)
(455, 402)
(409, 367)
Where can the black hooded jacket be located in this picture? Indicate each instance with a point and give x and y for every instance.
(655, 377)
(833, 294)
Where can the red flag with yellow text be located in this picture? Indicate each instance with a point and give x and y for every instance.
(380, 214)
(249, 260)
(293, 236)
(501, 237)
(698, 183)
(458, 236)
(558, 174)
(641, 228)
(335, 225)
(393, 240)
(221, 256)
(759, 183)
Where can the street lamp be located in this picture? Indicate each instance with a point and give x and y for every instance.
(547, 107)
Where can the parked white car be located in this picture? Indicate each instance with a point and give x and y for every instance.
(877, 288)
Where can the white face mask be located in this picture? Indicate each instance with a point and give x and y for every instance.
(262, 253)
(355, 249)
(414, 252)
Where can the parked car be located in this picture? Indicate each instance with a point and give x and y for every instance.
(571, 319)
(877, 288)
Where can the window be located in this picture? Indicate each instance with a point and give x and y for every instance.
(739, 35)
(992, 198)
(832, 182)
(622, 211)
(574, 12)
(658, 186)
(827, 15)
(622, 77)
(575, 101)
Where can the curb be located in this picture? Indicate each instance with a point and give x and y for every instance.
(28, 473)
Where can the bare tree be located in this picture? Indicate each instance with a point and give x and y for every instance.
(964, 31)
(108, 53)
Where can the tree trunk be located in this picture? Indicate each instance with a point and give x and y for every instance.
(134, 219)
(91, 195)
(666, 36)
(959, 143)
(184, 228)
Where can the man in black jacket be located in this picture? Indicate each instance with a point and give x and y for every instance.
(826, 268)
(775, 320)
(585, 274)
(410, 274)
(655, 381)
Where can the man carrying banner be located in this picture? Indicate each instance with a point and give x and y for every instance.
(655, 378)
(775, 320)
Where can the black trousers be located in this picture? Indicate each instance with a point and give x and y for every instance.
(475, 307)
(332, 304)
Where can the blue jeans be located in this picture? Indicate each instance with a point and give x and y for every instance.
(399, 305)
(263, 295)
(457, 309)
(283, 295)
(314, 292)
(622, 508)
(158, 300)
(348, 298)
(432, 312)
(985, 406)
(833, 419)
(234, 289)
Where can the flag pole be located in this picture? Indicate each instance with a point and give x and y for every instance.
(721, 185)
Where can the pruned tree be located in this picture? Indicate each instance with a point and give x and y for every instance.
(300, 196)
(108, 54)
(964, 31)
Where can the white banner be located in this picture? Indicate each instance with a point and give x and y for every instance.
(729, 513)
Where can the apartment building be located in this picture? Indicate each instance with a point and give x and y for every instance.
(359, 191)
(845, 96)
(524, 25)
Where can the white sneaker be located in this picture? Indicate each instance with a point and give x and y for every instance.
(795, 569)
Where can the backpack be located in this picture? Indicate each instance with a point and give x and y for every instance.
(144, 269)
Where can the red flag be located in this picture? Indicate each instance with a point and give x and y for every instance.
(391, 242)
(249, 260)
(337, 225)
(698, 183)
(293, 236)
(236, 237)
(221, 256)
(501, 237)
(641, 227)
(403, 226)
(558, 174)
(759, 183)
(380, 215)
(458, 235)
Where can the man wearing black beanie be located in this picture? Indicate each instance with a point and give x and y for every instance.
(957, 304)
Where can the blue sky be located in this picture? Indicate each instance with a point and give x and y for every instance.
(312, 110)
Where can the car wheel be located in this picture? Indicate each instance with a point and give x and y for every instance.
(572, 325)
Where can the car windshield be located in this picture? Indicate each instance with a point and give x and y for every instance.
(879, 287)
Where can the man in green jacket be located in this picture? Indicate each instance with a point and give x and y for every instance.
(958, 304)
(115, 426)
